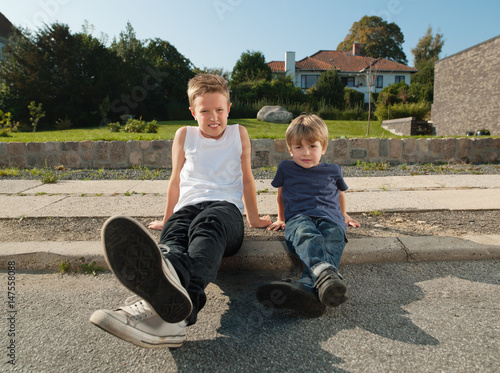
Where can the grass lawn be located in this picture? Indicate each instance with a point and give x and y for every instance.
(166, 131)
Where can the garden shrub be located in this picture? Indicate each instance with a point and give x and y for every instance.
(353, 98)
(135, 126)
(419, 110)
(6, 124)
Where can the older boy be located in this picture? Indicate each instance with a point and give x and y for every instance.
(311, 200)
(210, 187)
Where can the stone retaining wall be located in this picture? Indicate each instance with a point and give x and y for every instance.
(265, 152)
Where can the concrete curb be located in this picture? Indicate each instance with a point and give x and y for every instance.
(267, 255)
(138, 198)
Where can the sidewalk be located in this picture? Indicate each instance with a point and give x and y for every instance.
(32, 199)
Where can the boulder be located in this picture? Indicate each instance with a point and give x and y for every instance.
(274, 114)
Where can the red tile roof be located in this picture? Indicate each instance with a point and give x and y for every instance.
(342, 61)
(277, 66)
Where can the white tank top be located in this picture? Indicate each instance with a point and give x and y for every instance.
(212, 170)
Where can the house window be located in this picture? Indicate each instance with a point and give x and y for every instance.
(380, 81)
(1, 50)
(400, 78)
(307, 81)
(348, 82)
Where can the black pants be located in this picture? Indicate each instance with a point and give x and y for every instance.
(195, 239)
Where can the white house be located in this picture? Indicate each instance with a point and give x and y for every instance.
(356, 71)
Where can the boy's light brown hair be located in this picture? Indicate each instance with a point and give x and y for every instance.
(206, 83)
(308, 127)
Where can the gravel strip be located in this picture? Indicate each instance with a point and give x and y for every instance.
(361, 170)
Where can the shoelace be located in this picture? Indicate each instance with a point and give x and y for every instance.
(132, 299)
(140, 310)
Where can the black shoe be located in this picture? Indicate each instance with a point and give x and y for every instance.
(294, 296)
(135, 259)
(331, 288)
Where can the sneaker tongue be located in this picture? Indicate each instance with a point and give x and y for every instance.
(132, 299)
(139, 308)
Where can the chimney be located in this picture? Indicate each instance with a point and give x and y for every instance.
(290, 65)
(356, 49)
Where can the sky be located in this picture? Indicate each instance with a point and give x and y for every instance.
(214, 33)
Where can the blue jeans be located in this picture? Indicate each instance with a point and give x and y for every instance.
(315, 241)
(195, 239)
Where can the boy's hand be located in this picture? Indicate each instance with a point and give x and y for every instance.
(277, 225)
(156, 225)
(263, 222)
(351, 222)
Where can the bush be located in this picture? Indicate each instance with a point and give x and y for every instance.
(36, 113)
(63, 124)
(353, 98)
(114, 127)
(6, 124)
(419, 110)
(152, 127)
(355, 113)
(135, 126)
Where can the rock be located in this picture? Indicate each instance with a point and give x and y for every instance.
(274, 114)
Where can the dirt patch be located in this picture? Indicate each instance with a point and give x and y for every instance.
(388, 224)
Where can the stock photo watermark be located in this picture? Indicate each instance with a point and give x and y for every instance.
(11, 313)
(46, 13)
(138, 94)
(224, 6)
(394, 8)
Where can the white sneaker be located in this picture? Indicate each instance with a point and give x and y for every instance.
(140, 325)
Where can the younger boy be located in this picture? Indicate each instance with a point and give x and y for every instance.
(210, 187)
(311, 201)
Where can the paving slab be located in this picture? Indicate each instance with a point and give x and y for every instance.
(152, 187)
(16, 206)
(87, 187)
(469, 199)
(136, 205)
(423, 182)
(17, 186)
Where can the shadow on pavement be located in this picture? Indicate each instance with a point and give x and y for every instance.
(252, 337)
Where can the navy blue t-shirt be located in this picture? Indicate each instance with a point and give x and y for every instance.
(311, 191)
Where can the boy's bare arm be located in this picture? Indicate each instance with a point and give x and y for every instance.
(280, 223)
(349, 221)
(173, 191)
(249, 192)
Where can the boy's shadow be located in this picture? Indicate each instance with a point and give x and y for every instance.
(252, 337)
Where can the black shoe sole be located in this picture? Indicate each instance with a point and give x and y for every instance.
(135, 259)
(290, 295)
(332, 291)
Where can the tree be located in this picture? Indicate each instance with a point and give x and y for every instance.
(213, 70)
(69, 75)
(170, 72)
(250, 67)
(425, 54)
(428, 48)
(155, 76)
(378, 39)
(330, 88)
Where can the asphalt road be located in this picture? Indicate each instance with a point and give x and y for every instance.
(417, 317)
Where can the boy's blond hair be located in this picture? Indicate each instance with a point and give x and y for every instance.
(206, 83)
(308, 127)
